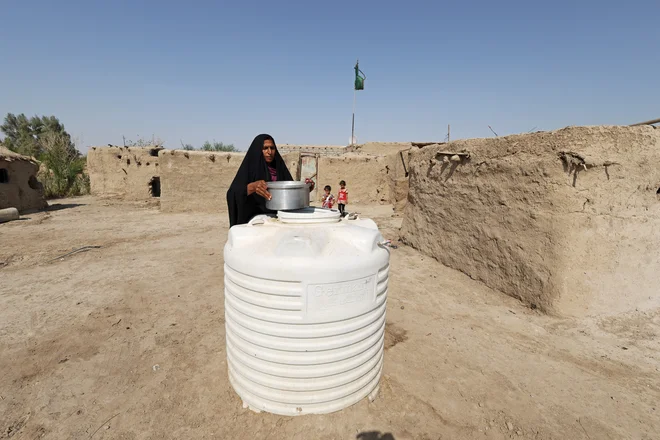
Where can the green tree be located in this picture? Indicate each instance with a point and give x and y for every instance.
(26, 135)
(45, 138)
(65, 167)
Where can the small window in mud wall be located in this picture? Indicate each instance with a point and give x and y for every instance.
(33, 183)
(154, 186)
(4, 175)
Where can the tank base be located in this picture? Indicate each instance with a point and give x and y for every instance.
(254, 410)
(370, 391)
(374, 393)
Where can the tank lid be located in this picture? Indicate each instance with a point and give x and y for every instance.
(309, 215)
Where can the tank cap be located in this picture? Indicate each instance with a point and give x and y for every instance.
(309, 215)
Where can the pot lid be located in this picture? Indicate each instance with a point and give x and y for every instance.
(287, 184)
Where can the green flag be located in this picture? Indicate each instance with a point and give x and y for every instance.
(359, 79)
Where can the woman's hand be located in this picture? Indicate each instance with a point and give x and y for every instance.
(260, 187)
(311, 184)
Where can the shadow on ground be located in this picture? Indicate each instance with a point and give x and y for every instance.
(60, 206)
(374, 435)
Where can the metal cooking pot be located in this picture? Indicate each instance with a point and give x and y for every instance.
(287, 196)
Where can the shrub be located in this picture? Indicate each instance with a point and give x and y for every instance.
(218, 146)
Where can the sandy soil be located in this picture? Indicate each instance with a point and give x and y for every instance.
(127, 342)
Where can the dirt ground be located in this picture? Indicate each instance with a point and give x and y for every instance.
(127, 341)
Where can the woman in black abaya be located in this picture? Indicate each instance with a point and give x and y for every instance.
(248, 192)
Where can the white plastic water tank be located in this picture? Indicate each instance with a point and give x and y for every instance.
(305, 298)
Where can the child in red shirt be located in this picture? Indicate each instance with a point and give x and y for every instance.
(328, 199)
(342, 199)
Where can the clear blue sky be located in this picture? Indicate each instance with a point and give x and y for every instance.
(227, 71)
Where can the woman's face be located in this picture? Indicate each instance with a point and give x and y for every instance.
(269, 150)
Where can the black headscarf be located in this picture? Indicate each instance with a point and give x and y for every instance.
(241, 206)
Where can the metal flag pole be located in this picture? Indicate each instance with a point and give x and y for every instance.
(358, 85)
(353, 123)
(357, 63)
